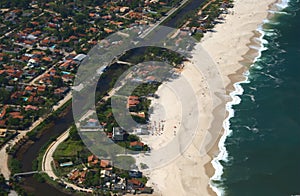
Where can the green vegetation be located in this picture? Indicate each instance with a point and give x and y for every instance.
(92, 178)
(69, 148)
(4, 189)
(75, 26)
(14, 165)
(8, 137)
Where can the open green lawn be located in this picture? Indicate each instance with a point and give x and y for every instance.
(69, 148)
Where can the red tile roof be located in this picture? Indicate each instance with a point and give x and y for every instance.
(16, 115)
(91, 158)
(29, 88)
(31, 107)
(135, 181)
(104, 163)
(3, 112)
(41, 88)
(132, 101)
(136, 143)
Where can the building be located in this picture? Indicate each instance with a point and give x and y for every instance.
(118, 134)
(79, 57)
(3, 132)
(141, 131)
(92, 160)
(135, 174)
(132, 101)
(92, 125)
(134, 184)
(105, 163)
(136, 145)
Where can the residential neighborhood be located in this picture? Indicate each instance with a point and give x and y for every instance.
(42, 45)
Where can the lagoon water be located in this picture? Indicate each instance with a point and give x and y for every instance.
(264, 147)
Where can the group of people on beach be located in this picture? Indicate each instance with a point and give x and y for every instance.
(157, 129)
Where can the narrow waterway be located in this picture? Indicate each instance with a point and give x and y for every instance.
(31, 184)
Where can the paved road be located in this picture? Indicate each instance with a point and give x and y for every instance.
(163, 19)
(48, 159)
(4, 156)
(48, 156)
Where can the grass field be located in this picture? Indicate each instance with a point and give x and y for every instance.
(69, 148)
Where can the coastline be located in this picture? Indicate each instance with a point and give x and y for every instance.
(234, 89)
(245, 49)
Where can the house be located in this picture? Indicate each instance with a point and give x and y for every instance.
(29, 89)
(60, 91)
(3, 133)
(107, 30)
(32, 62)
(82, 177)
(135, 174)
(16, 95)
(41, 89)
(141, 131)
(47, 59)
(31, 37)
(91, 123)
(105, 173)
(132, 101)
(137, 145)
(139, 114)
(124, 9)
(135, 15)
(66, 64)
(145, 190)
(92, 158)
(3, 123)
(134, 183)
(67, 77)
(16, 115)
(105, 163)
(31, 107)
(74, 175)
(3, 112)
(118, 187)
(109, 135)
(79, 57)
(118, 134)
(93, 30)
(52, 72)
(30, 73)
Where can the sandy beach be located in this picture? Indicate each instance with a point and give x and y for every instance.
(232, 48)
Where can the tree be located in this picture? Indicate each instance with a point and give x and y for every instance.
(133, 138)
(3, 187)
(4, 94)
(74, 134)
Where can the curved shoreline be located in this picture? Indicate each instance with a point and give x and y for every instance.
(234, 89)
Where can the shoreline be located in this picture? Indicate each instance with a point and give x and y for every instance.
(233, 66)
(234, 89)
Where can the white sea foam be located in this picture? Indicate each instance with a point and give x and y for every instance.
(223, 155)
(282, 4)
(278, 12)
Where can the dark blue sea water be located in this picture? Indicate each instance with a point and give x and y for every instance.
(264, 147)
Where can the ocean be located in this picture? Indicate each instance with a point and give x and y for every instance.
(260, 153)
